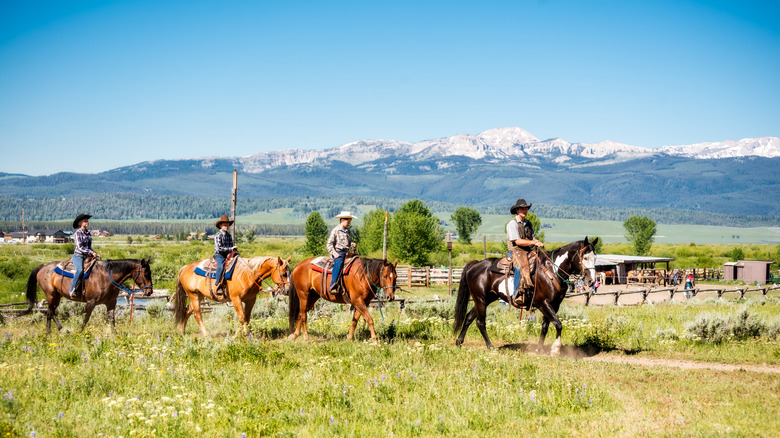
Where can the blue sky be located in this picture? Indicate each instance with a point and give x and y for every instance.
(88, 86)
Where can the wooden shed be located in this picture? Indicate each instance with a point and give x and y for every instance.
(625, 263)
(749, 271)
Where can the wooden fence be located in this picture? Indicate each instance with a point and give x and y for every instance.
(412, 276)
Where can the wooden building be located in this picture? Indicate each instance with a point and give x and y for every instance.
(623, 264)
(749, 271)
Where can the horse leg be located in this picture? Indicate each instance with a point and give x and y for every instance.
(361, 309)
(195, 304)
(469, 319)
(236, 300)
(549, 314)
(307, 305)
(87, 313)
(248, 306)
(52, 312)
(111, 310)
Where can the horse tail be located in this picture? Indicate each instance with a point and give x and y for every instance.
(179, 303)
(32, 289)
(462, 301)
(295, 307)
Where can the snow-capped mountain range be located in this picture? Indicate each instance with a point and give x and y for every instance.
(505, 144)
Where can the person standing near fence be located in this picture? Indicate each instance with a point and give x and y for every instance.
(688, 285)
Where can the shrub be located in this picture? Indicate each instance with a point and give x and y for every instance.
(155, 309)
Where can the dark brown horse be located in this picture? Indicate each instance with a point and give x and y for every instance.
(571, 262)
(102, 287)
(366, 279)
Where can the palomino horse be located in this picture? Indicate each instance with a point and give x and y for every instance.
(242, 287)
(575, 260)
(366, 279)
(102, 287)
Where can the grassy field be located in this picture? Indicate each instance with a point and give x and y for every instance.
(146, 380)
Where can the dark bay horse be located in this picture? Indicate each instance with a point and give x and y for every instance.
(574, 261)
(366, 279)
(102, 287)
(242, 287)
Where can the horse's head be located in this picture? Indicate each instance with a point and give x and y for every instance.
(143, 276)
(387, 279)
(587, 261)
(281, 275)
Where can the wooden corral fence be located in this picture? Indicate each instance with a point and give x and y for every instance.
(672, 277)
(412, 276)
(671, 291)
(122, 303)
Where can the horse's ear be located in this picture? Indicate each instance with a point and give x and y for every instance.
(595, 241)
(147, 260)
(288, 259)
(395, 263)
(586, 240)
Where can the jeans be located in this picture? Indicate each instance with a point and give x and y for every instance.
(220, 259)
(78, 263)
(517, 279)
(338, 262)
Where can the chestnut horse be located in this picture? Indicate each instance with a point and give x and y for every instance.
(242, 287)
(102, 287)
(366, 279)
(567, 264)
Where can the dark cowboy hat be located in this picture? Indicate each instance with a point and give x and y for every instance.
(519, 204)
(79, 218)
(224, 218)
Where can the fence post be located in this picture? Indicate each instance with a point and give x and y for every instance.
(427, 276)
(617, 297)
(644, 295)
(409, 272)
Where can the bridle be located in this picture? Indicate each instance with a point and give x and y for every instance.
(571, 278)
(259, 284)
(135, 281)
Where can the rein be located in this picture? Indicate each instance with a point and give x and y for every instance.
(379, 291)
(569, 275)
(260, 284)
(135, 277)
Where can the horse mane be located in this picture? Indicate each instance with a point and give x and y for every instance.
(258, 261)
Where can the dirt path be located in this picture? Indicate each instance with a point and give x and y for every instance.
(682, 364)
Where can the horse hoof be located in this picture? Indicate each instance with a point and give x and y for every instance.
(555, 350)
(291, 337)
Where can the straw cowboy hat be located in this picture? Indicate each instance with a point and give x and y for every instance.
(519, 204)
(224, 218)
(345, 215)
(79, 218)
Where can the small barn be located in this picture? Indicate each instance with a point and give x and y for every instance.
(625, 263)
(749, 271)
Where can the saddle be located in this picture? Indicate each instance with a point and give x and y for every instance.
(324, 265)
(66, 268)
(208, 268)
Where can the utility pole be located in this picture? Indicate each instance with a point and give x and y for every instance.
(384, 238)
(233, 203)
(24, 236)
(449, 271)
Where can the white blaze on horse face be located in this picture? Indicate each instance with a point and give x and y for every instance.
(589, 263)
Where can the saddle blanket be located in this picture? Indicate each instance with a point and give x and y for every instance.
(320, 263)
(66, 269)
(69, 273)
(208, 268)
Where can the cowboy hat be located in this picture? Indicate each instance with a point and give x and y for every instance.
(345, 215)
(79, 218)
(519, 204)
(224, 218)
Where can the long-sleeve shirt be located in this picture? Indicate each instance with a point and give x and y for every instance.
(340, 240)
(223, 243)
(83, 240)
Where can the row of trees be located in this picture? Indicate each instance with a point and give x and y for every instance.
(129, 206)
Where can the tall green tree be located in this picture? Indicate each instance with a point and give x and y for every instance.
(538, 233)
(467, 221)
(316, 235)
(372, 231)
(640, 231)
(414, 233)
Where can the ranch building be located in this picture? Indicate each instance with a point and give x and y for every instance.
(621, 265)
(749, 271)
